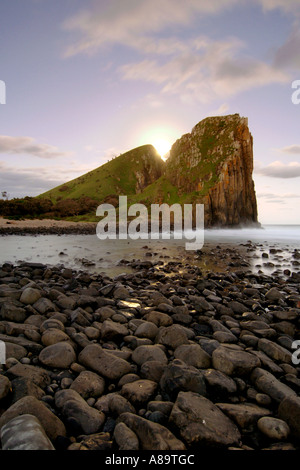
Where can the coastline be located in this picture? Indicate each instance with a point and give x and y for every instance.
(138, 361)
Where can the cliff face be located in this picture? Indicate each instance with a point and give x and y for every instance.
(148, 168)
(213, 165)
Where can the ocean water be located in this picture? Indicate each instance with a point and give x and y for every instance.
(88, 252)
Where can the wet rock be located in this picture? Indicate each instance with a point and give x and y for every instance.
(58, 355)
(289, 411)
(274, 428)
(12, 313)
(24, 433)
(219, 384)
(125, 438)
(245, 415)
(53, 336)
(146, 353)
(201, 423)
(30, 296)
(139, 392)
(152, 436)
(193, 355)
(267, 383)
(275, 351)
(172, 336)
(52, 425)
(234, 362)
(36, 375)
(179, 376)
(5, 386)
(103, 362)
(74, 407)
(113, 331)
(88, 384)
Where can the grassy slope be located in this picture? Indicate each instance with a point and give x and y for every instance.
(114, 177)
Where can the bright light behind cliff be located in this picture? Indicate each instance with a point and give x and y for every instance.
(162, 146)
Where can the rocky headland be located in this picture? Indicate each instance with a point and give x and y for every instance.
(164, 358)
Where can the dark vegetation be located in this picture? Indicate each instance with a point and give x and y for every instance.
(30, 207)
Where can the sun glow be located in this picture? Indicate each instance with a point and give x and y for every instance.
(162, 146)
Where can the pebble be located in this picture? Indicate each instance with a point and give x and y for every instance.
(163, 358)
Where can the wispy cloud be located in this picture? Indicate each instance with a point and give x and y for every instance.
(278, 169)
(291, 149)
(28, 145)
(32, 181)
(196, 69)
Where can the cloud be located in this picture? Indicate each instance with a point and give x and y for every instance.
(20, 145)
(130, 23)
(289, 6)
(288, 55)
(205, 70)
(277, 196)
(20, 182)
(278, 169)
(292, 149)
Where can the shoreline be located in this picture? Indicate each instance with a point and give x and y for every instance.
(137, 361)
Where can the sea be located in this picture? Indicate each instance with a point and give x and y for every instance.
(87, 252)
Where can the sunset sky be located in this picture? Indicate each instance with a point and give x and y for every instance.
(86, 81)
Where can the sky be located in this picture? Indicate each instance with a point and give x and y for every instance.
(82, 82)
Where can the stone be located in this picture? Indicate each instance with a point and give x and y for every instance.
(30, 296)
(275, 351)
(245, 415)
(15, 350)
(274, 295)
(289, 411)
(139, 391)
(88, 384)
(152, 370)
(267, 383)
(24, 432)
(113, 331)
(219, 384)
(58, 355)
(234, 362)
(52, 425)
(51, 323)
(5, 386)
(53, 336)
(159, 318)
(193, 355)
(146, 353)
(274, 428)
(119, 404)
(36, 375)
(98, 441)
(179, 376)
(172, 336)
(44, 305)
(125, 438)
(147, 330)
(201, 423)
(74, 407)
(12, 313)
(151, 436)
(121, 293)
(22, 387)
(103, 362)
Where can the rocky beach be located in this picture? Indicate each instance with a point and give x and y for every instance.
(166, 357)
